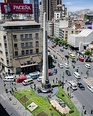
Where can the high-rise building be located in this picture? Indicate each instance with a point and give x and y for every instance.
(35, 4)
(13, 1)
(49, 6)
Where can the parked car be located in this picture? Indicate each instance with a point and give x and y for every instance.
(68, 72)
(90, 87)
(55, 71)
(50, 72)
(21, 79)
(60, 65)
(81, 86)
(65, 47)
(81, 59)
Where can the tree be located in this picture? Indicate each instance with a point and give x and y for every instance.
(88, 52)
(63, 42)
(56, 39)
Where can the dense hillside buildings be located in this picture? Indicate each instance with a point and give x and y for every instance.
(21, 46)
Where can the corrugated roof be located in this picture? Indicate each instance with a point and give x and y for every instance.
(19, 23)
(85, 32)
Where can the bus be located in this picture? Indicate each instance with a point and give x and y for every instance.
(72, 56)
(34, 75)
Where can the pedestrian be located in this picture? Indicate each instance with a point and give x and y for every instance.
(67, 88)
(53, 80)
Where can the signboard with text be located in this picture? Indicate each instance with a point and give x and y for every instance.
(16, 8)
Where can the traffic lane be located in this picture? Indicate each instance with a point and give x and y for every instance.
(85, 98)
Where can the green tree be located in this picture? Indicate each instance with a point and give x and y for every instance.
(56, 39)
(63, 42)
(88, 52)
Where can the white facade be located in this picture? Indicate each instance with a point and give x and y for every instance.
(50, 30)
(84, 37)
(59, 24)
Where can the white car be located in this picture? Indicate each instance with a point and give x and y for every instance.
(66, 65)
(87, 66)
(72, 84)
(39, 79)
(90, 87)
(60, 65)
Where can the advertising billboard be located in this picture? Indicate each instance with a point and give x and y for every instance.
(16, 8)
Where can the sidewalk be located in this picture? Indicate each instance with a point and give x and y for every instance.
(16, 105)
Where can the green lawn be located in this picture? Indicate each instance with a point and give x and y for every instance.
(67, 100)
(43, 103)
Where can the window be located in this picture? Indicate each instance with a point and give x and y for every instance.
(5, 45)
(7, 62)
(37, 50)
(15, 45)
(26, 35)
(37, 43)
(16, 53)
(22, 52)
(31, 51)
(22, 44)
(14, 36)
(36, 36)
(21, 36)
(27, 51)
(4, 38)
(30, 36)
(31, 44)
(26, 44)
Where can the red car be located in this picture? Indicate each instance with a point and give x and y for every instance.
(55, 45)
(81, 59)
(21, 79)
(50, 72)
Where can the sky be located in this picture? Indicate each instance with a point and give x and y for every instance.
(75, 5)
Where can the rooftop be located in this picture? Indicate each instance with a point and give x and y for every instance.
(19, 23)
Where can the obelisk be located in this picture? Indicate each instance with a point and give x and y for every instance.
(45, 80)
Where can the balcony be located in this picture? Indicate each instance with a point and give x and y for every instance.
(25, 47)
(26, 39)
(15, 39)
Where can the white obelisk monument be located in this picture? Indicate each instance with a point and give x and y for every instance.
(45, 80)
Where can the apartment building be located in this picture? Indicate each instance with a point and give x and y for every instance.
(64, 32)
(21, 46)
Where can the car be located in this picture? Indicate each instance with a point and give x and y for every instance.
(55, 45)
(68, 72)
(55, 71)
(65, 47)
(60, 65)
(55, 56)
(50, 72)
(81, 86)
(66, 65)
(72, 84)
(52, 46)
(90, 87)
(61, 50)
(39, 79)
(73, 61)
(81, 59)
(87, 66)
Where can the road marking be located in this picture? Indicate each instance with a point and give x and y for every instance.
(2, 96)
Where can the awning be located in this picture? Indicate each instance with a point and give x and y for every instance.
(28, 65)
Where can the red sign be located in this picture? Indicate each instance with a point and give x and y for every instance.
(16, 8)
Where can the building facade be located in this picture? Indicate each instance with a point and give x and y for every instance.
(35, 9)
(21, 46)
(48, 6)
(64, 32)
